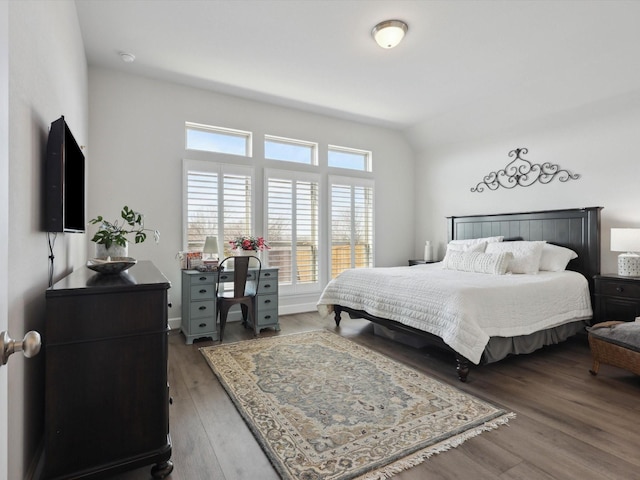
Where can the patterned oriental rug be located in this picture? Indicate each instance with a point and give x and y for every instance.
(323, 407)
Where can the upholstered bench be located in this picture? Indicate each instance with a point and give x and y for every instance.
(615, 343)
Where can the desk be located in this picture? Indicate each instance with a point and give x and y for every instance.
(199, 306)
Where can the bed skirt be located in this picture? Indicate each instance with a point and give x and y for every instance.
(499, 347)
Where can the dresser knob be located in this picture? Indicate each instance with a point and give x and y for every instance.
(202, 308)
(203, 279)
(202, 325)
(203, 290)
(267, 301)
(619, 289)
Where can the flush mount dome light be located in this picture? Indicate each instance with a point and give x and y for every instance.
(389, 33)
(127, 57)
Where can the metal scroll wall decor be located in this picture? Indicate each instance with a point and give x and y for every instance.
(521, 172)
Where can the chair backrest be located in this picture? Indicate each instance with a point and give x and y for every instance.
(240, 274)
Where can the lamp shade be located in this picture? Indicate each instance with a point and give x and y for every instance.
(625, 239)
(210, 245)
(389, 33)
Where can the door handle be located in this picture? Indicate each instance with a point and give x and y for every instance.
(29, 346)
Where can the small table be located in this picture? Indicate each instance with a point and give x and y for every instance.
(616, 298)
(420, 262)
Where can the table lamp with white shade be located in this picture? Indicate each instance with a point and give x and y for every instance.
(627, 240)
(210, 247)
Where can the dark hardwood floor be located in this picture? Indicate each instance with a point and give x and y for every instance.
(569, 424)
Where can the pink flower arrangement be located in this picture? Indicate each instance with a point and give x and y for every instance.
(247, 242)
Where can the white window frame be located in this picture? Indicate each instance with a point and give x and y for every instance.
(248, 137)
(368, 167)
(292, 141)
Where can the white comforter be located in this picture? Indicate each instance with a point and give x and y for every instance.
(464, 309)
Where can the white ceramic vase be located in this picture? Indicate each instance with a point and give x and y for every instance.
(113, 251)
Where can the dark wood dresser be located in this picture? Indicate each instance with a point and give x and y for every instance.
(107, 395)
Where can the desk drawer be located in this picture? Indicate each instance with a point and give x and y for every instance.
(203, 292)
(203, 325)
(267, 302)
(202, 279)
(202, 309)
(269, 275)
(268, 286)
(266, 317)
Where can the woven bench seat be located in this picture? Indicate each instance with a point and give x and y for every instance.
(615, 343)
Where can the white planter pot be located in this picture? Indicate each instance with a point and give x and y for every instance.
(113, 251)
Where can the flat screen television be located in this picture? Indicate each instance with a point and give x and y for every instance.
(64, 181)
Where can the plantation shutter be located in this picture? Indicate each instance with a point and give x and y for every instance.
(293, 226)
(218, 199)
(202, 208)
(351, 212)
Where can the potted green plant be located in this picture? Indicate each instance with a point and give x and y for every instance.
(111, 237)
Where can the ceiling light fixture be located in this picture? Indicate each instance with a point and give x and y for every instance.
(127, 57)
(389, 33)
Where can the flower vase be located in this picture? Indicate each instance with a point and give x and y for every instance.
(113, 251)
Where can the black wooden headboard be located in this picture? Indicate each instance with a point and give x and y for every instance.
(577, 229)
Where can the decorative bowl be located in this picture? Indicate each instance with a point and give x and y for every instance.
(111, 265)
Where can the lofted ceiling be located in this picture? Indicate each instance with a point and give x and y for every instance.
(526, 58)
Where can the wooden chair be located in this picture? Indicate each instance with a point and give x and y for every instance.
(244, 292)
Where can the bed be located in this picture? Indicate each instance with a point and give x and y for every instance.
(453, 309)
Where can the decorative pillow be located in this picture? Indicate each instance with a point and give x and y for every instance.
(473, 241)
(555, 258)
(478, 262)
(467, 247)
(526, 255)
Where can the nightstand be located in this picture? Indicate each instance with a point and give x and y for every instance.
(616, 298)
(420, 262)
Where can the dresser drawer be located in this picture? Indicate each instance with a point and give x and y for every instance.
(617, 288)
(202, 309)
(203, 292)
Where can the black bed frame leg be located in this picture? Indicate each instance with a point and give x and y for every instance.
(462, 367)
(337, 314)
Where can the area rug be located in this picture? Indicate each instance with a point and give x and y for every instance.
(323, 407)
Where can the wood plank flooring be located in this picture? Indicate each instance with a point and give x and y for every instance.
(569, 424)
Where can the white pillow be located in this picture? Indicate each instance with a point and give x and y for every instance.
(526, 255)
(555, 258)
(467, 247)
(493, 263)
(473, 241)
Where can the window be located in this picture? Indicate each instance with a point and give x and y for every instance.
(286, 149)
(351, 220)
(218, 202)
(217, 139)
(350, 158)
(292, 227)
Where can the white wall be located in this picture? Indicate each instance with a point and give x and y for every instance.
(137, 147)
(599, 141)
(47, 78)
